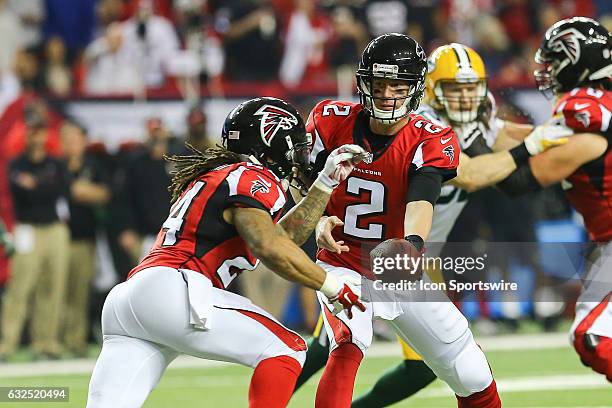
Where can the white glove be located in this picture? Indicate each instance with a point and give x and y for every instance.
(343, 292)
(545, 136)
(339, 165)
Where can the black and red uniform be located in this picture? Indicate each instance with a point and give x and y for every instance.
(588, 110)
(195, 236)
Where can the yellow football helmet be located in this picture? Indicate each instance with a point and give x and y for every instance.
(456, 82)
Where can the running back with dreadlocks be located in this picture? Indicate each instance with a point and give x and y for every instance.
(190, 167)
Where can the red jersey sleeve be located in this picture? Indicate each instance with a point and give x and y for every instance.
(585, 115)
(319, 130)
(251, 185)
(438, 150)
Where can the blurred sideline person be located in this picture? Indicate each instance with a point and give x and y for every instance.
(144, 197)
(226, 202)
(456, 87)
(88, 190)
(40, 264)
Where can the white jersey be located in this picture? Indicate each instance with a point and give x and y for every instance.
(452, 199)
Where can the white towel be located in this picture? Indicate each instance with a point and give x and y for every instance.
(200, 293)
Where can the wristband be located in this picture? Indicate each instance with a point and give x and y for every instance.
(417, 241)
(520, 154)
(331, 287)
(325, 183)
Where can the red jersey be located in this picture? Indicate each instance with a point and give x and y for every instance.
(195, 236)
(372, 200)
(589, 110)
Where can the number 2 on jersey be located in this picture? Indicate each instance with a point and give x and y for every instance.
(376, 205)
(174, 223)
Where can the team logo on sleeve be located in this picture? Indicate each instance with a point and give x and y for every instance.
(584, 117)
(567, 42)
(274, 118)
(450, 152)
(260, 185)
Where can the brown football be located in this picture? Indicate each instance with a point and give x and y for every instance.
(392, 269)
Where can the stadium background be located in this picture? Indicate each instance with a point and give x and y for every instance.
(126, 69)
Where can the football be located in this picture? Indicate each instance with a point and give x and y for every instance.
(396, 259)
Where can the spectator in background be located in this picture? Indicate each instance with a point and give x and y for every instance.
(154, 41)
(350, 34)
(27, 70)
(57, 75)
(112, 68)
(31, 14)
(11, 36)
(305, 54)
(88, 191)
(385, 16)
(145, 200)
(9, 89)
(73, 21)
(250, 33)
(37, 182)
(196, 129)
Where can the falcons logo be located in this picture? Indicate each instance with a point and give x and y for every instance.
(567, 41)
(583, 117)
(450, 152)
(274, 118)
(260, 185)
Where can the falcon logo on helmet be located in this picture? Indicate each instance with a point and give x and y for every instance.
(568, 42)
(274, 118)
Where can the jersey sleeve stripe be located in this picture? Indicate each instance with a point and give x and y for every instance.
(417, 160)
(280, 201)
(606, 116)
(233, 178)
(317, 148)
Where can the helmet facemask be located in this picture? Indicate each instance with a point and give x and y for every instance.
(461, 106)
(402, 106)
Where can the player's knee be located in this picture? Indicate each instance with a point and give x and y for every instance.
(471, 369)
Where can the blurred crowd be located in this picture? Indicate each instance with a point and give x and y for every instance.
(64, 199)
(139, 47)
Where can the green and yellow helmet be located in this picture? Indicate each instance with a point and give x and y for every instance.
(448, 68)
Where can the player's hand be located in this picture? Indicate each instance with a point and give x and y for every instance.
(339, 165)
(341, 295)
(324, 237)
(546, 136)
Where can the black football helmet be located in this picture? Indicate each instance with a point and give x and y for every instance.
(392, 56)
(270, 131)
(575, 52)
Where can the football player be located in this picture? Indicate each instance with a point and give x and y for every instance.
(392, 197)
(576, 55)
(456, 95)
(226, 204)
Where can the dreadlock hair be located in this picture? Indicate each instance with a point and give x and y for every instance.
(189, 167)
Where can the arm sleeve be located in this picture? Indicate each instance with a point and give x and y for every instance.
(425, 185)
(255, 187)
(520, 181)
